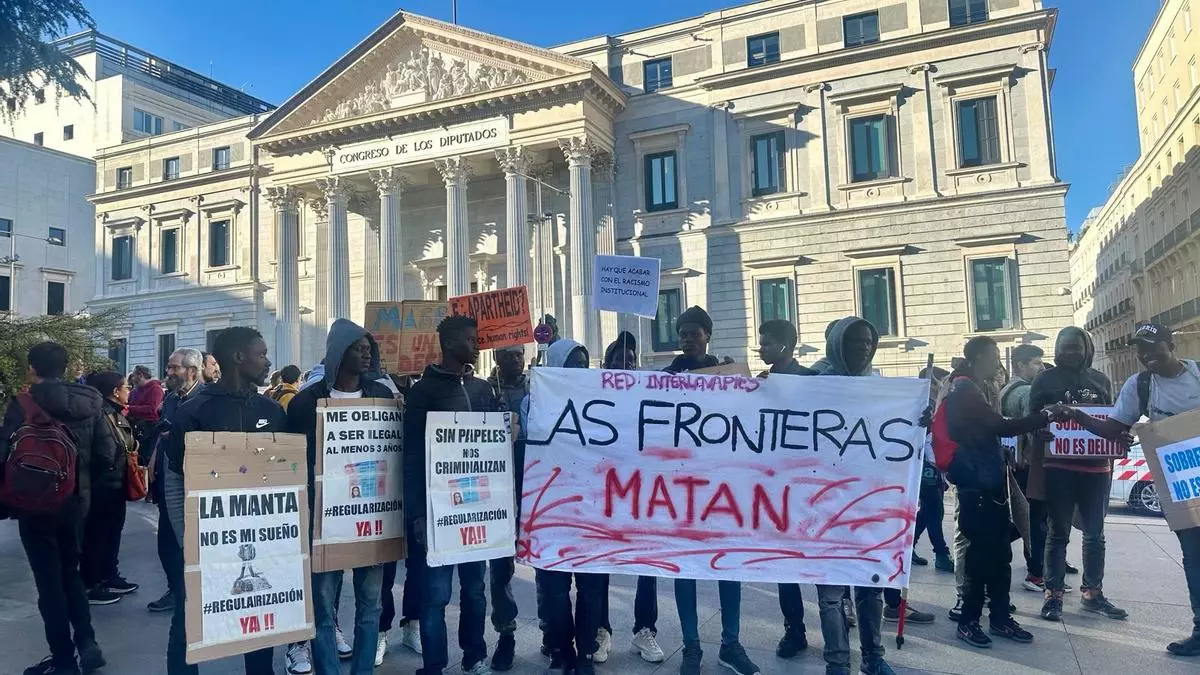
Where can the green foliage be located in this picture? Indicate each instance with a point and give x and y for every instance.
(28, 61)
(85, 336)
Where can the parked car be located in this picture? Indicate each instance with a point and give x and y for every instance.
(1132, 483)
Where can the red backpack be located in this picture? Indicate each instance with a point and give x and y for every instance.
(39, 474)
(944, 447)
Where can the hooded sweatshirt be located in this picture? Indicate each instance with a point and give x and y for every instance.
(835, 347)
(1081, 385)
(556, 356)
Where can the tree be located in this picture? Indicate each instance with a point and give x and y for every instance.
(28, 60)
(85, 336)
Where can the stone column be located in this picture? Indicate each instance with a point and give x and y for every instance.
(284, 200)
(456, 173)
(390, 184)
(339, 248)
(582, 242)
(515, 164)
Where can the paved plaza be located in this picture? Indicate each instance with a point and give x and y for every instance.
(1144, 575)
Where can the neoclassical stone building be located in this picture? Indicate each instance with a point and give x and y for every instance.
(784, 159)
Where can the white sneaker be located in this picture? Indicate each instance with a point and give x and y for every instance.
(380, 650)
(410, 636)
(299, 661)
(344, 650)
(646, 644)
(603, 646)
(480, 668)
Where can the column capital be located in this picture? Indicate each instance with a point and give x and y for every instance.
(284, 197)
(454, 170)
(320, 208)
(388, 181)
(334, 188)
(513, 160)
(604, 165)
(578, 149)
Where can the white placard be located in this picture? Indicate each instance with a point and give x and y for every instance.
(625, 283)
(251, 563)
(1072, 441)
(361, 480)
(1181, 468)
(469, 483)
(422, 146)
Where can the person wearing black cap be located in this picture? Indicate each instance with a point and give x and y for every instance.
(694, 328)
(1169, 386)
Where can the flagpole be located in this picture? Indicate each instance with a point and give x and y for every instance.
(454, 11)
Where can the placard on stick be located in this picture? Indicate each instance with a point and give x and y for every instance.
(359, 515)
(503, 316)
(626, 284)
(406, 332)
(247, 573)
(1172, 450)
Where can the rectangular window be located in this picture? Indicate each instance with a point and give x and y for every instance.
(991, 286)
(124, 177)
(39, 138)
(57, 236)
(122, 258)
(218, 243)
(118, 353)
(56, 298)
(967, 12)
(877, 298)
(1178, 97)
(870, 148)
(171, 168)
(762, 49)
(178, 126)
(5, 227)
(1192, 75)
(663, 337)
(39, 96)
(166, 347)
(656, 74)
(68, 132)
(776, 298)
(221, 158)
(169, 251)
(861, 29)
(768, 170)
(978, 132)
(147, 123)
(661, 182)
(1187, 18)
(5, 293)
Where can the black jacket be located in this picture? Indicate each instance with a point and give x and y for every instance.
(108, 470)
(81, 409)
(437, 390)
(979, 462)
(216, 408)
(1073, 386)
(686, 364)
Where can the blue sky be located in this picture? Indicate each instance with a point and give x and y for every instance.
(275, 47)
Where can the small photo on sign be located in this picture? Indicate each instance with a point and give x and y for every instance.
(469, 490)
(367, 479)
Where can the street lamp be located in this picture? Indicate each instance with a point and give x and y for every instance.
(12, 259)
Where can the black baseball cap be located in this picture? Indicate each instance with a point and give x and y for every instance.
(1152, 333)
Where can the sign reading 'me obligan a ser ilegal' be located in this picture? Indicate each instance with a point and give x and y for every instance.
(422, 146)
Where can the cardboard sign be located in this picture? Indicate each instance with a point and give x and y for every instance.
(503, 316)
(359, 515)
(725, 369)
(245, 544)
(625, 283)
(1072, 441)
(407, 333)
(1172, 449)
(780, 479)
(470, 488)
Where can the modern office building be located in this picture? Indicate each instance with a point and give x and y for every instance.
(788, 159)
(1137, 257)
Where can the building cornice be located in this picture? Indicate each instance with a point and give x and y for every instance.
(186, 182)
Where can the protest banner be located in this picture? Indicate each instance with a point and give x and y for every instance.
(469, 485)
(247, 575)
(406, 332)
(1072, 441)
(1172, 450)
(626, 283)
(782, 479)
(503, 316)
(359, 519)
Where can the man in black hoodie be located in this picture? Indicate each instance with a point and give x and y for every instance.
(1075, 484)
(52, 542)
(694, 328)
(232, 403)
(450, 385)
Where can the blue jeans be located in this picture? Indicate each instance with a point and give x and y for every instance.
(439, 582)
(731, 610)
(326, 587)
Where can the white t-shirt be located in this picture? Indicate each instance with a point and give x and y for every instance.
(1169, 396)
(334, 393)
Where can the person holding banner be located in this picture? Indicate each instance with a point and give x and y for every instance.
(694, 328)
(351, 354)
(1169, 386)
(1075, 484)
(448, 386)
(232, 403)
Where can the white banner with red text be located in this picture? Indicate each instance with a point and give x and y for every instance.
(783, 479)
